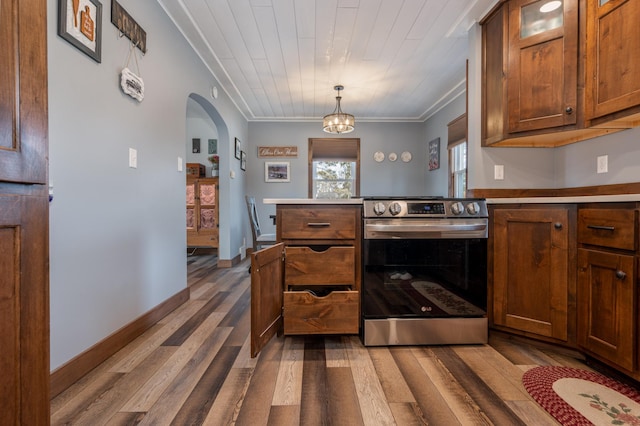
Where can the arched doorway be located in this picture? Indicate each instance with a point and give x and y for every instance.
(203, 122)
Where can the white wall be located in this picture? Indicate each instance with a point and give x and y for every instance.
(117, 234)
(436, 127)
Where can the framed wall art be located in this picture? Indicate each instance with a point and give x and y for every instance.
(195, 145)
(434, 154)
(213, 146)
(80, 23)
(238, 148)
(277, 171)
(243, 161)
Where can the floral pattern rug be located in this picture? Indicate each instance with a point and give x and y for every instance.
(581, 397)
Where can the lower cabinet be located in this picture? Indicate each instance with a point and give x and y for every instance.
(533, 271)
(308, 283)
(607, 285)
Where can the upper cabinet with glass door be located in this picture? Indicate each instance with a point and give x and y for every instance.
(531, 63)
(613, 63)
(543, 64)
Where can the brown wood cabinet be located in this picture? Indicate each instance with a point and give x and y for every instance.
(24, 229)
(613, 63)
(532, 271)
(607, 284)
(532, 76)
(308, 283)
(202, 212)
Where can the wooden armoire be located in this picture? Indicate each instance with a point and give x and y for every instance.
(24, 223)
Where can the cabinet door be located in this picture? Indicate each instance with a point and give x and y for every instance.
(24, 309)
(530, 269)
(267, 286)
(613, 56)
(23, 91)
(543, 65)
(202, 212)
(606, 305)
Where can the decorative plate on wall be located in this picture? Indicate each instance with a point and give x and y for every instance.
(406, 156)
(378, 156)
(393, 156)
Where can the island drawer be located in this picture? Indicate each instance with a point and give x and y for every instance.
(319, 265)
(336, 313)
(318, 222)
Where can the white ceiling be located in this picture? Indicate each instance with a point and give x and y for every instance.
(278, 60)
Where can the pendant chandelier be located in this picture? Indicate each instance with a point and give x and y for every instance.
(338, 121)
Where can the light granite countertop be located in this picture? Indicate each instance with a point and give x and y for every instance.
(566, 200)
(312, 201)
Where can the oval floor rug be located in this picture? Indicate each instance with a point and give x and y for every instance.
(581, 397)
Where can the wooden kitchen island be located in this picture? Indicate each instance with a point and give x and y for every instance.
(309, 282)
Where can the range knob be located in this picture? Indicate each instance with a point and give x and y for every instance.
(379, 208)
(457, 208)
(395, 209)
(473, 208)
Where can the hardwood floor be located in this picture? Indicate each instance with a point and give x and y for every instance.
(193, 367)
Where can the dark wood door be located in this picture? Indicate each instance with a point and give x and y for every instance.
(24, 243)
(606, 305)
(613, 56)
(531, 270)
(267, 287)
(542, 67)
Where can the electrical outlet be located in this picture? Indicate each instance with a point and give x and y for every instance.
(133, 158)
(603, 164)
(498, 172)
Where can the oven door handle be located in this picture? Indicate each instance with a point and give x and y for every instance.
(426, 230)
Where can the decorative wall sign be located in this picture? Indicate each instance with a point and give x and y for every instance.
(80, 23)
(276, 171)
(128, 26)
(213, 146)
(434, 154)
(195, 145)
(277, 151)
(131, 84)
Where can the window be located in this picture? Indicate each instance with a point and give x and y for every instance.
(458, 155)
(457, 148)
(334, 168)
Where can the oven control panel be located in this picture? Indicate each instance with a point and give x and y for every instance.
(450, 208)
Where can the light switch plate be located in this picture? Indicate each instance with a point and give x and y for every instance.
(498, 172)
(180, 165)
(133, 158)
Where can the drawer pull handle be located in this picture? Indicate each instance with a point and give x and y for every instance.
(602, 228)
(557, 225)
(621, 275)
(319, 224)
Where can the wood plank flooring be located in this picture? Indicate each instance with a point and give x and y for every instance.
(193, 368)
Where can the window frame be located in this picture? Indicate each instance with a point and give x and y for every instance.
(333, 149)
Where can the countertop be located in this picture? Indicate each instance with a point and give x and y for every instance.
(566, 200)
(312, 201)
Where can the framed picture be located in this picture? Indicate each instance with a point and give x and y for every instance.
(213, 146)
(80, 23)
(243, 160)
(434, 154)
(276, 171)
(238, 148)
(195, 145)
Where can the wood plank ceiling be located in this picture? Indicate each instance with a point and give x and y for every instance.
(278, 60)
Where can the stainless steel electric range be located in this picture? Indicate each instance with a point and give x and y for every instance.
(424, 278)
